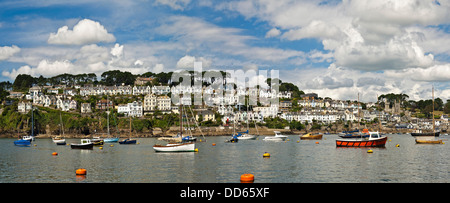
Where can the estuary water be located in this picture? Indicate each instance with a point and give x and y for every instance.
(304, 161)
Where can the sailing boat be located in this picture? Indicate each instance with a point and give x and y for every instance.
(59, 140)
(128, 140)
(26, 140)
(110, 139)
(177, 147)
(428, 137)
(245, 135)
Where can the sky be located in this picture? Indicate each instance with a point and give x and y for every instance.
(338, 49)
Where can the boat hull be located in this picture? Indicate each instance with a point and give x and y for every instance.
(275, 138)
(82, 146)
(186, 147)
(127, 141)
(247, 137)
(435, 134)
(429, 141)
(22, 142)
(379, 142)
(116, 139)
(311, 137)
(60, 142)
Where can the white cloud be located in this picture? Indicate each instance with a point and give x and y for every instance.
(45, 68)
(87, 59)
(85, 32)
(433, 73)
(315, 29)
(158, 68)
(6, 51)
(187, 62)
(363, 34)
(344, 83)
(273, 33)
(195, 33)
(117, 50)
(175, 4)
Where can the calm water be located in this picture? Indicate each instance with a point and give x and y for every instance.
(290, 162)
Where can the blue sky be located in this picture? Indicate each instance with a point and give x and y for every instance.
(334, 48)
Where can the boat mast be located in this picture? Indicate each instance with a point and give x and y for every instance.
(129, 137)
(32, 121)
(62, 127)
(180, 109)
(107, 112)
(432, 95)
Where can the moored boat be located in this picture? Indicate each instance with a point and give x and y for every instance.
(127, 141)
(22, 142)
(111, 139)
(59, 140)
(311, 136)
(245, 136)
(85, 144)
(175, 147)
(429, 141)
(97, 141)
(278, 137)
(420, 133)
(374, 140)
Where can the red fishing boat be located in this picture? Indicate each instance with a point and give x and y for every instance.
(374, 140)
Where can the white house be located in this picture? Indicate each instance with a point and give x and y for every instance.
(133, 109)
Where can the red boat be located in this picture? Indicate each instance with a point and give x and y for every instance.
(374, 140)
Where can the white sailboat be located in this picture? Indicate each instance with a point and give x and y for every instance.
(245, 135)
(59, 140)
(109, 138)
(177, 147)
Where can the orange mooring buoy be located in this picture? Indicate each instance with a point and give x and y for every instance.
(81, 171)
(247, 178)
(55, 153)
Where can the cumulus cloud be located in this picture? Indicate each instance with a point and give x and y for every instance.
(273, 33)
(117, 50)
(45, 68)
(187, 62)
(364, 34)
(87, 59)
(84, 32)
(434, 73)
(6, 51)
(344, 83)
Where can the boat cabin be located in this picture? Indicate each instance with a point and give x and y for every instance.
(85, 141)
(374, 135)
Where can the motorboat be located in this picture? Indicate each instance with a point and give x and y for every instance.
(97, 141)
(374, 140)
(311, 136)
(59, 140)
(28, 137)
(278, 137)
(85, 144)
